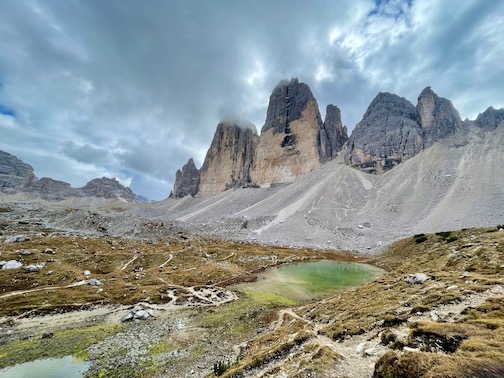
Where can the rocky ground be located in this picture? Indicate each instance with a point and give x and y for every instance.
(155, 303)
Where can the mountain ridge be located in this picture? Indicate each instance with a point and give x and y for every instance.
(17, 177)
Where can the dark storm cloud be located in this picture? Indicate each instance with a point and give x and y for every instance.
(139, 87)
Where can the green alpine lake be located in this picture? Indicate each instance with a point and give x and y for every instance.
(308, 280)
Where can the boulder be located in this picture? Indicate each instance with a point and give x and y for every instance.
(15, 239)
(34, 268)
(11, 264)
(417, 278)
(94, 282)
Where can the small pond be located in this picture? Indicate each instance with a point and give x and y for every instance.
(308, 280)
(66, 367)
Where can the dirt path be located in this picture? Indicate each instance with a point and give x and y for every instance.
(129, 262)
(167, 261)
(20, 292)
(360, 353)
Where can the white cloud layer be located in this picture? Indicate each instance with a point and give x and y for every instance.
(134, 89)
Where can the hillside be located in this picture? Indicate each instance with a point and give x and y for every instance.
(456, 183)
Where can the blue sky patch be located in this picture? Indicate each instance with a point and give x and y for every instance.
(5, 110)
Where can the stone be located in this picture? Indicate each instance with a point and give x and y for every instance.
(34, 268)
(187, 181)
(11, 264)
(229, 159)
(408, 349)
(360, 348)
(141, 314)
(25, 252)
(50, 251)
(94, 282)
(87, 273)
(15, 175)
(47, 335)
(453, 287)
(15, 239)
(370, 352)
(417, 278)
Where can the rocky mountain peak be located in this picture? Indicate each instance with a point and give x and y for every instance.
(14, 173)
(437, 117)
(187, 181)
(490, 119)
(288, 100)
(108, 188)
(53, 190)
(334, 134)
(229, 159)
(387, 134)
(293, 139)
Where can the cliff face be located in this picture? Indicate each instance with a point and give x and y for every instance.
(393, 130)
(333, 135)
(187, 181)
(490, 119)
(53, 190)
(229, 159)
(437, 117)
(293, 139)
(388, 134)
(14, 174)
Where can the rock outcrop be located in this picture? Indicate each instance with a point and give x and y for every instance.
(187, 181)
(393, 130)
(388, 134)
(437, 117)
(490, 119)
(335, 135)
(18, 177)
(53, 190)
(293, 139)
(108, 188)
(229, 159)
(14, 173)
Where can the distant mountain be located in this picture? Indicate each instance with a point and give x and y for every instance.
(293, 142)
(18, 177)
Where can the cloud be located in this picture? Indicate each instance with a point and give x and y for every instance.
(7, 121)
(134, 89)
(85, 153)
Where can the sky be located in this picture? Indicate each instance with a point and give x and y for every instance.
(132, 89)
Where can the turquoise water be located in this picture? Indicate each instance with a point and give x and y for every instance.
(313, 279)
(66, 367)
